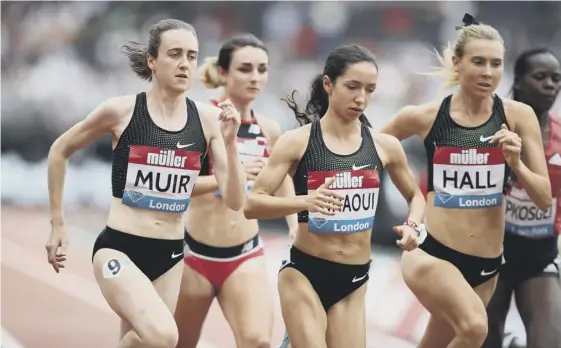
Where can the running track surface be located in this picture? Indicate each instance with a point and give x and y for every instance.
(42, 309)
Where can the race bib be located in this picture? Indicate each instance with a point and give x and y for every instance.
(468, 178)
(249, 149)
(160, 179)
(525, 219)
(360, 189)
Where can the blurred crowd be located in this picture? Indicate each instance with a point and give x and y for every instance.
(61, 59)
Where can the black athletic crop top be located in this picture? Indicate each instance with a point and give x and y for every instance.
(357, 178)
(154, 168)
(464, 170)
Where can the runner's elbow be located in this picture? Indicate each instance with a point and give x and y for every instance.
(58, 150)
(545, 202)
(250, 207)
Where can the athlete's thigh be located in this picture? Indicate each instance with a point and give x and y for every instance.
(444, 292)
(168, 285)
(539, 302)
(346, 321)
(497, 311)
(130, 293)
(485, 291)
(304, 317)
(195, 297)
(246, 299)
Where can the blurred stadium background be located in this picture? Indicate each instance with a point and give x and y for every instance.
(61, 59)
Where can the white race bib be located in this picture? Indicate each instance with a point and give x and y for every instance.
(360, 189)
(160, 179)
(525, 219)
(468, 178)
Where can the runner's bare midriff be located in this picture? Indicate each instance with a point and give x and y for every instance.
(477, 232)
(144, 222)
(210, 222)
(351, 248)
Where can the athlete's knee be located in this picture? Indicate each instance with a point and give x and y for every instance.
(161, 336)
(254, 339)
(473, 329)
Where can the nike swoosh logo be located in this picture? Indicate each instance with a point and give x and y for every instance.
(359, 168)
(485, 139)
(175, 256)
(355, 279)
(485, 273)
(179, 146)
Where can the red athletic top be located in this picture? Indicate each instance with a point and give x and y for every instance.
(522, 216)
(252, 143)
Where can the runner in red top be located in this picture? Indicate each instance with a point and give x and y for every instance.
(225, 257)
(531, 270)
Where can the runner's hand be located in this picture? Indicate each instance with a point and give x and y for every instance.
(409, 237)
(230, 121)
(56, 247)
(253, 167)
(511, 144)
(324, 201)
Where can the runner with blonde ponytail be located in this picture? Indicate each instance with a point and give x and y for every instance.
(473, 141)
(226, 257)
(209, 73)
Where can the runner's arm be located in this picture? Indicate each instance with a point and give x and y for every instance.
(261, 204)
(287, 190)
(532, 170)
(102, 120)
(273, 132)
(403, 179)
(228, 169)
(405, 123)
(205, 184)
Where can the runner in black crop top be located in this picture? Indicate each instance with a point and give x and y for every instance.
(318, 163)
(159, 148)
(354, 177)
(473, 140)
(484, 178)
(158, 139)
(336, 161)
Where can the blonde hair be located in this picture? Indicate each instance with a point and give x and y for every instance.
(209, 73)
(474, 31)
